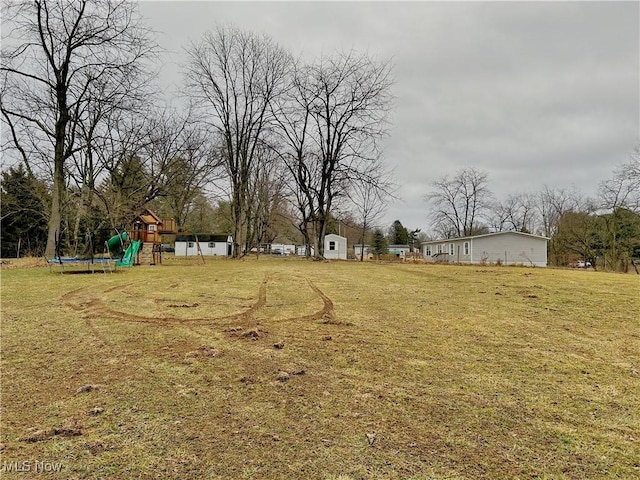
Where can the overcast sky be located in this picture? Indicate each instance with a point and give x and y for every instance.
(533, 93)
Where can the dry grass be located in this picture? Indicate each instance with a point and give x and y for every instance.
(283, 368)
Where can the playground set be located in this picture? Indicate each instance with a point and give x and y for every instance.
(141, 246)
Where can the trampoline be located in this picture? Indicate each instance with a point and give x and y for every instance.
(91, 264)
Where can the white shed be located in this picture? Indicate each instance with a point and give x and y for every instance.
(335, 247)
(210, 245)
(507, 248)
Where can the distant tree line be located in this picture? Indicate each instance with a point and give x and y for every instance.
(265, 147)
(275, 139)
(604, 231)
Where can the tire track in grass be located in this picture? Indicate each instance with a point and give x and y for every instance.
(91, 305)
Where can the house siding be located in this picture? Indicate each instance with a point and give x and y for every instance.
(508, 248)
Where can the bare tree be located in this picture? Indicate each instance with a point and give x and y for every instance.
(553, 203)
(369, 199)
(190, 163)
(460, 202)
(623, 188)
(619, 199)
(517, 213)
(162, 158)
(233, 76)
(340, 106)
(55, 54)
(265, 198)
(292, 115)
(122, 189)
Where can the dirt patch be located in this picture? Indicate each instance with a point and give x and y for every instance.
(204, 351)
(44, 435)
(253, 334)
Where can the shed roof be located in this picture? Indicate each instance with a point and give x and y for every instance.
(205, 237)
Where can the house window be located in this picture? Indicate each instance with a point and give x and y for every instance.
(190, 244)
(451, 249)
(466, 248)
(439, 248)
(152, 228)
(332, 245)
(427, 250)
(212, 244)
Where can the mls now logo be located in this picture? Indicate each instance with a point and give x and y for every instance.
(29, 466)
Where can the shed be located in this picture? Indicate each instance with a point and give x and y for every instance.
(507, 248)
(335, 247)
(210, 245)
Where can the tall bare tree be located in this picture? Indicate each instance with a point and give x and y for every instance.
(233, 76)
(265, 198)
(459, 203)
(187, 159)
(369, 198)
(292, 115)
(55, 53)
(343, 102)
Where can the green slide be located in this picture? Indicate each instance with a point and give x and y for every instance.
(114, 244)
(130, 254)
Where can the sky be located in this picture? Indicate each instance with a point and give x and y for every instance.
(534, 94)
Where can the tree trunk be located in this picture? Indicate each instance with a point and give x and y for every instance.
(55, 220)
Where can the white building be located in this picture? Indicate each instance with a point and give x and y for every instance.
(301, 251)
(283, 249)
(400, 251)
(210, 245)
(335, 247)
(360, 250)
(507, 248)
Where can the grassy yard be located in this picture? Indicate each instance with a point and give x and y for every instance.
(283, 368)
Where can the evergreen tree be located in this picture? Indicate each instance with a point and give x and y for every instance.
(399, 235)
(379, 243)
(24, 220)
